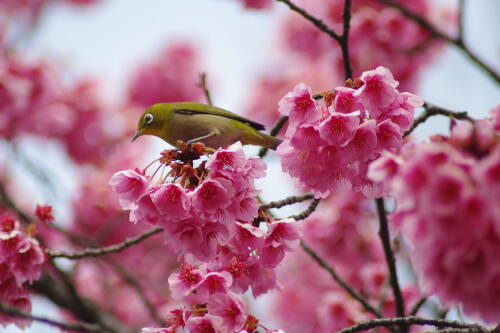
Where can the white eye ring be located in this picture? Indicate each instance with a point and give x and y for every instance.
(148, 118)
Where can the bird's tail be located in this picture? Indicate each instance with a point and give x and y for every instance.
(268, 141)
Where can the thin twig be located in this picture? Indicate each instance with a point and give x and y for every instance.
(7, 202)
(344, 44)
(461, 20)
(342, 283)
(132, 281)
(129, 278)
(287, 201)
(453, 330)
(274, 131)
(417, 306)
(458, 42)
(203, 85)
(317, 22)
(411, 320)
(389, 256)
(74, 326)
(342, 39)
(434, 110)
(95, 252)
(305, 214)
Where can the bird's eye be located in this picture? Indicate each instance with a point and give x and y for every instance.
(148, 119)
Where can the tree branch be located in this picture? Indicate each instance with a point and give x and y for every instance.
(434, 110)
(65, 296)
(411, 320)
(344, 44)
(458, 42)
(75, 326)
(317, 22)
(203, 85)
(287, 201)
(417, 306)
(341, 282)
(305, 214)
(95, 252)
(389, 256)
(274, 131)
(342, 39)
(8, 203)
(461, 20)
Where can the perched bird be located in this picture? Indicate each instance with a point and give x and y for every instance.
(192, 122)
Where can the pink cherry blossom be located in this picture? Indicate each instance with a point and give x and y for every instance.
(21, 260)
(299, 106)
(230, 308)
(183, 283)
(205, 324)
(129, 185)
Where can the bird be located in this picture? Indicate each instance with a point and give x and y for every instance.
(193, 122)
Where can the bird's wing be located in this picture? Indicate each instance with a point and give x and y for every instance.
(197, 108)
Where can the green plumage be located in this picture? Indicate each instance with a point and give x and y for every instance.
(191, 122)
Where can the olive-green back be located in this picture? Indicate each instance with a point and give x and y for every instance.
(194, 108)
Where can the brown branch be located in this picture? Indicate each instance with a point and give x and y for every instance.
(132, 281)
(127, 277)
(461, 20)
(458, 41)
(65, 296)
(287, 201)
(74, 326)
(411, 320)
(342, 39)
(203, 85)
(8, 203)
(344, 44)
(389, 256)
(431, 110)
(339, 280)
(417, 306)
(317, 22)
(305, 214)
(274, 131)
(95, 252)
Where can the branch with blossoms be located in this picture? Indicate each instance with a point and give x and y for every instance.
(435, 32)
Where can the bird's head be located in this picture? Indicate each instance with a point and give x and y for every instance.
(153, 120)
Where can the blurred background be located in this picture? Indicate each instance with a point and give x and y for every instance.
(112, 52)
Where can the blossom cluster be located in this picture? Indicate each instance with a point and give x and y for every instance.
(21, 260)
(207, 220)
(330, 143)
(448, 195)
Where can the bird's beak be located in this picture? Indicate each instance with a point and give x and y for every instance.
(137, 134)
